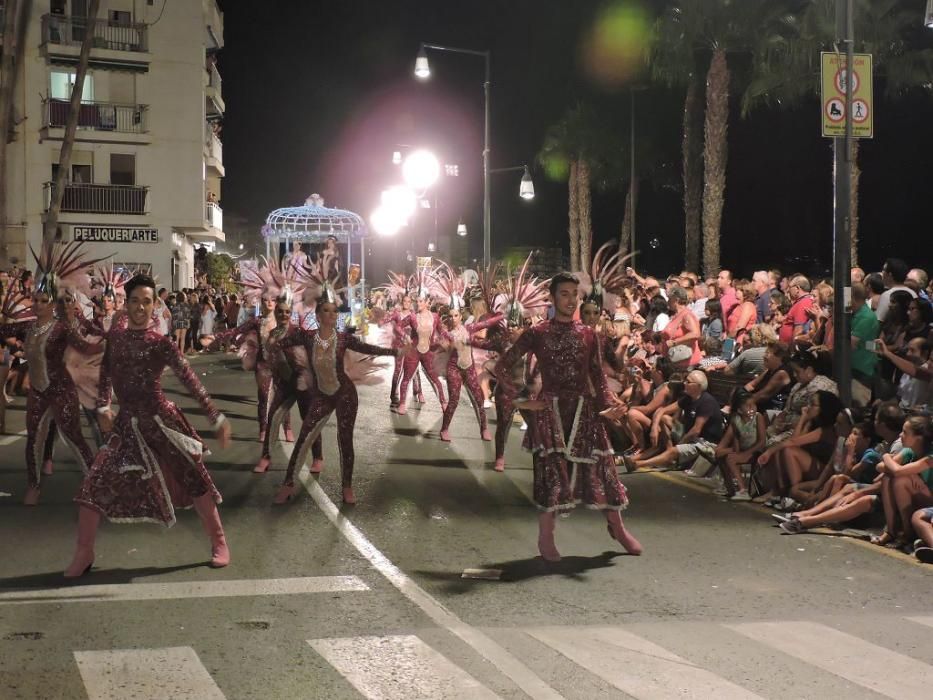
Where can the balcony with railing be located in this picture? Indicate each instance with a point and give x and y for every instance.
(97, 116)
(62, 32)
(214, 216)
(94, 198)
(213, 91)
(214, 152)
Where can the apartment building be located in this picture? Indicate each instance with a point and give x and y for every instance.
(147, 164)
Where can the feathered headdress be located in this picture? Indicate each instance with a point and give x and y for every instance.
(424, 283)
(62, 265)
(527, 296)
(487, 283)
(273, 278)
(397, 286)
(451, 286)
(14, 306)
(110, 280)
(607, 273)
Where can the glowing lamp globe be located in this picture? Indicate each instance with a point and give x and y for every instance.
(400, 201)
(461, 229)
(422, 67)
(527, 188)
(421, 170)
(385, 222)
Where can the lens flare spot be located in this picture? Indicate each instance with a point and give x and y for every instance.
(616, 48)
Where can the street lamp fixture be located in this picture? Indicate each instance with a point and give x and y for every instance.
(423, 71)
(461, 229)
(421, 170)
(928, 17)
(527, 188)
(396, 157)
(431, 247)
(422, 67)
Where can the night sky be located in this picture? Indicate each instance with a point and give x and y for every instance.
(318, 95)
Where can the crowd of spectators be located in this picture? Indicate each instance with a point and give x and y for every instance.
(731, 380)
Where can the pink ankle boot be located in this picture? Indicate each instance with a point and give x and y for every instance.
(262, 436)
(316, 466)
(262, 466)
(402, 409)
(487, 436)
(348, 496)
(618, 532)
(284, 494)
(500, 464)
(210, 519)
(47, 467)
(420, 398)
(546, 545)
(445, 435)
(31, 498)
(289, 435)
(88, 520)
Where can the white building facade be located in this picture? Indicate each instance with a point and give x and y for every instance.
(147, 164)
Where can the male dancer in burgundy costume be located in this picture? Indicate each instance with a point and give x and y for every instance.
(572, 455)
(152, 461)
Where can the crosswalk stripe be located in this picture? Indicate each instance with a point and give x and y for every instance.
(637, 666)
(119, 592)
(146, 674)
(866, 664)
(399, 667)
(928, 621)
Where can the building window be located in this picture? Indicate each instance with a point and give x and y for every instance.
(120, 18)
(62, 82)
(122, 169)
(79, 173)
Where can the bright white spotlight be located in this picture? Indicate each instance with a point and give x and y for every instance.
(241, 246)
(421, 170)
(385, 222)
(396, 157)
(401, 201)
(422, 67)
(527, 189)
(431, 247)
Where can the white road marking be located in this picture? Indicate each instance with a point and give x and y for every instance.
(146, 674)
(868, 665)
(10, 439)
(485, 646)
(400, 667)
(636, 666)
(120, 592)
(928, 621)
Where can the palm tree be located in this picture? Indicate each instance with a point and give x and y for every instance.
(572, 149)
(786, 69)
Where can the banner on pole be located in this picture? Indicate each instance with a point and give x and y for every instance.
(835, 74)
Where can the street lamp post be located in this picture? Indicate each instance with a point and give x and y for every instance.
(423, 71)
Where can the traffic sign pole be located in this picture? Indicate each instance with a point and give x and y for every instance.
(842, 231)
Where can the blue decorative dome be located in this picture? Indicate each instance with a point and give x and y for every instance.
(314, 222)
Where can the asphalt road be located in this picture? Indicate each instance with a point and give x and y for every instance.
(322, 601)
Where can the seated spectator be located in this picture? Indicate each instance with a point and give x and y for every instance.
(810, 370)
(797, 322)
(919, 320)
(918, 280)
(712, 355)
(804, 453)
(874, 285)
(771, 387)
(894, 274)
(906, 483)
(712, 319)
(751, 360)
(914, 390)
(701, 422)
(660, 394)
(864, 331)
(744, 314)
(743, 440)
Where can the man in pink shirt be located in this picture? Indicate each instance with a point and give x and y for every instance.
(727, 297)
(797, 320)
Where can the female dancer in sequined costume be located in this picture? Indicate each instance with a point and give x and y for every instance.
(460, 364)
(256, 283)
(291, 384)
(572, 456)
(52, 401)
(152, 463)
(333, 391)
(397, 289)
(427, 332)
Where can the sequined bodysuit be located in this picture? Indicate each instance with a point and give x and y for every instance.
(152, 462)
(333, 392)
(401, 333)
(52, 401)
(461, 370)
(426, 332)
(571, 450)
